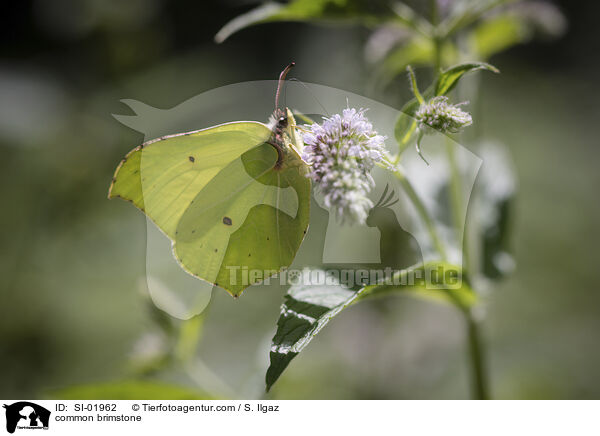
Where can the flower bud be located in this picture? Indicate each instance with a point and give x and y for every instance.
(438, 114)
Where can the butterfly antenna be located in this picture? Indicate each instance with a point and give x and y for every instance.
(284, 73)
(311, 93)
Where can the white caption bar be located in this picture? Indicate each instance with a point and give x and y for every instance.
(283, 418)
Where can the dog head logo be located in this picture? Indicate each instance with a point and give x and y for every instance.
(26, 415)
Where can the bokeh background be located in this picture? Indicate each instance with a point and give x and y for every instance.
(72, 310)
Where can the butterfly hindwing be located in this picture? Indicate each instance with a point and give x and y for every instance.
(218, 195)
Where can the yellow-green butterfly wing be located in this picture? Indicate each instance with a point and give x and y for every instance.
(235, 210)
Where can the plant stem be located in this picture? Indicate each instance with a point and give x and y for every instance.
(190, 332)
(475, 345)
(422, 211)
(478, 373)
(437, 41)
(479, 383)
(456, 200)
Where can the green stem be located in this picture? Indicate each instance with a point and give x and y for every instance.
(479, 383)
(190, 332)
(456, 199)
(475, 344)
(437, 40)
(478, 373)
(422, 211)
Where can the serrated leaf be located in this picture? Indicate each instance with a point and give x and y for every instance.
(128, 390)
(309, 308)
(305, 311)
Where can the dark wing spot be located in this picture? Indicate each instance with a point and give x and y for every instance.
(216, 250)
(227, 221)
(191, 158)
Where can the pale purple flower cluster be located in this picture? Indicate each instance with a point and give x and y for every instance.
(341, 152)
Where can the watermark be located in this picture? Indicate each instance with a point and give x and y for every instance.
(392, 237)
(435, 276)
(25, 415)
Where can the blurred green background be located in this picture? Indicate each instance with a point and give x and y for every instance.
(71, 308)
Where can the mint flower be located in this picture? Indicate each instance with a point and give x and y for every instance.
(341, 152)
(438, 114)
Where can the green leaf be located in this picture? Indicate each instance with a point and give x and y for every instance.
(516, 25)
(309, 308)
(224, 197)
(449, 78)
(502, 23)
(353, 11)
(128, 390)
(263, 13)
(498, 34)
(433, 281)
(306, 310)
(493, 202)
(466, 16)
(408, 17)
(406, 125)
(418, 51)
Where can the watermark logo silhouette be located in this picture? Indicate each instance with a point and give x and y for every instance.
(392, 238)
(26, 415)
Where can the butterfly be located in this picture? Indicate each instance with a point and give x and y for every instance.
(234, 199)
